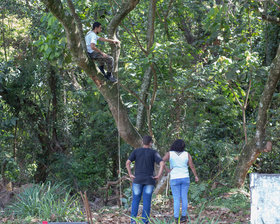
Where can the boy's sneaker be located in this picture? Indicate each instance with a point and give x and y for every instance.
(183, 218)
(110, 77)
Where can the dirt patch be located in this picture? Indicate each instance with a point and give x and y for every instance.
(165, 213)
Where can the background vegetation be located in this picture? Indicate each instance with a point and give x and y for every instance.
(56, 126)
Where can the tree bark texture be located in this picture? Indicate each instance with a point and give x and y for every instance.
(109, 91)
(252, 150)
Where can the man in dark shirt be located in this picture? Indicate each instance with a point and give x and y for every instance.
(144, 179)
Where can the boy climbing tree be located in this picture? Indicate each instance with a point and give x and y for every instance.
(96, 54)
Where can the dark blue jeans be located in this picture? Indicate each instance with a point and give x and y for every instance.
(180, 188)
(138, 190)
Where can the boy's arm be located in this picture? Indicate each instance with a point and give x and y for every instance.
(109, 40)
(127, 164)
(93, 47)
(162, 165)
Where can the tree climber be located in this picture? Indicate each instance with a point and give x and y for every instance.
(96, 54)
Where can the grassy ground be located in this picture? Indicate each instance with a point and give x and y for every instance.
(54, 203)
(227, 209)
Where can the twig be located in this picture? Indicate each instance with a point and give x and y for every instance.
(135, 39)
(240, 104)
(247, 95)
(274, 3)
(87, 208)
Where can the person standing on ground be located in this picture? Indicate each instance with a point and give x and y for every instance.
(179, 160)
(96, 54)
(144, 179)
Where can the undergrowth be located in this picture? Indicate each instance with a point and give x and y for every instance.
(46, 202)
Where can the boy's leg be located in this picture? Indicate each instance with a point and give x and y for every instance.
(101, 60)
(97, 57)
(102, 69)
(147, 198)
(110, 66)
(137, 190)
(109, 61)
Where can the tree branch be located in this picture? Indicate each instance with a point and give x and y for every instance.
(136, 39)
(78, 23)
(232, 90)
(272, 19)
(265, 100)
(125, 9)
(126, 129)
(247, 95)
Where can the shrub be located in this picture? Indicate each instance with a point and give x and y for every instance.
(47, 202)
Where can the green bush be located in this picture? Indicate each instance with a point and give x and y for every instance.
(233, 200)
(47, 202)
(197, 192)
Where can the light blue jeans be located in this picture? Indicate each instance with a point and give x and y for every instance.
(180, 188)
(138, 190)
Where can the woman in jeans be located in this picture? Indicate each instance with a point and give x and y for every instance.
(179, 161)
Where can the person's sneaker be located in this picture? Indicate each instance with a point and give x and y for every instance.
(176, 220)
(183, 218)
(110, 77)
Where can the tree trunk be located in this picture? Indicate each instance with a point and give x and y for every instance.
(53, 83)
(252, 150)
(146, 82)
(109, 91)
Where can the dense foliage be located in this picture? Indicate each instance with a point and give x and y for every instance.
(55, 124)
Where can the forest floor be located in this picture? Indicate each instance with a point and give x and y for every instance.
(231, 209)
(164, 214)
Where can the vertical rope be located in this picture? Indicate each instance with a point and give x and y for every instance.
(119, 142)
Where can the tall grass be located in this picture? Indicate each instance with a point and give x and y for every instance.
(47, 202)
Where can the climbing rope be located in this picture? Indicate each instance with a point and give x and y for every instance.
(119, 141)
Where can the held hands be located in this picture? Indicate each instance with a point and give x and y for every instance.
(167, 170)
(157, 177)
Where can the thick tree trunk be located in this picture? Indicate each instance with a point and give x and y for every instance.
(53, 83)
(75, 43)
(252, 150)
